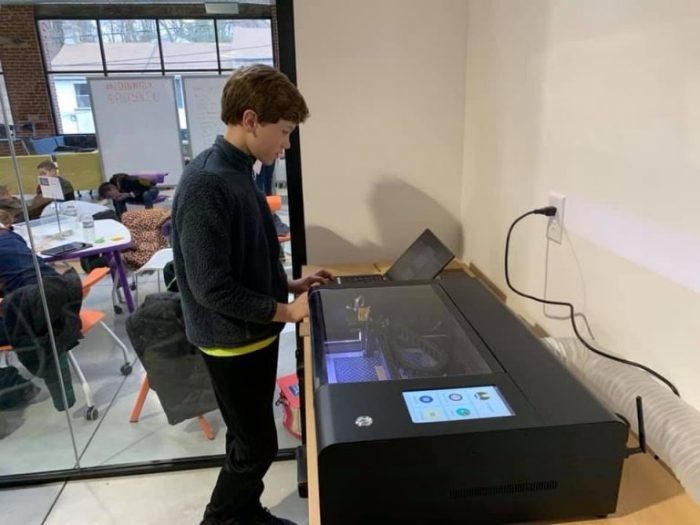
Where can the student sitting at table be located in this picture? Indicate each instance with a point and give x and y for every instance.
(16, 275)
(13, 205)
(48, 168)
(14, 389)
(16, 261)
(10, 204)
(123, 188)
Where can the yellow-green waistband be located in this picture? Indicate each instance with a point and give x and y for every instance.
(238, 350)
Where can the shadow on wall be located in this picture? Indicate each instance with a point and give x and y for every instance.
(400, 213)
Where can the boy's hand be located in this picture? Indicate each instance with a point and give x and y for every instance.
(294, 312)
(302, 285)
(300, 308)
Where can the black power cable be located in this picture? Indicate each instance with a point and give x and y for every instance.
(551, 211)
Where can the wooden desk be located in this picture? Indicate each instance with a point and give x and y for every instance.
(649, 494)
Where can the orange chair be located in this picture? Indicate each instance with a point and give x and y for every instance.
(88, 320)
(274, 202)
(91, 318)
(141, 399)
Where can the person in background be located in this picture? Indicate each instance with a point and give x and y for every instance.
(122, 188)
(263, 181)
(15, 390)
(233, 288)
(16, 259)
(48, 168)
(10, 204)
(13, 205)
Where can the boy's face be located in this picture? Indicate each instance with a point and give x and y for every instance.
(268, 141)
(111, 191)
(47, 172)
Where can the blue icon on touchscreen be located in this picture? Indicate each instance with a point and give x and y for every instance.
(425, 399)
(462, 412)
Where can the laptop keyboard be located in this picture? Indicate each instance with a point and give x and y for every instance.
(355, 279)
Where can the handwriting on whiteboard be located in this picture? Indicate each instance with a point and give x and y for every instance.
(130, 91)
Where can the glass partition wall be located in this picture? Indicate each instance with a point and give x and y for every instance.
(36, 432)
(91, 386)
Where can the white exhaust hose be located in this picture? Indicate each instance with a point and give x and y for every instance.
(672, 425)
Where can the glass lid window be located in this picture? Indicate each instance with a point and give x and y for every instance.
(392, 333)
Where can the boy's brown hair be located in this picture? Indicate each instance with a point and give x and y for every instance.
(264, 90)
(47, 164)
(6, 217)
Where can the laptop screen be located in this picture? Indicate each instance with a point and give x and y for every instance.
(424, 259)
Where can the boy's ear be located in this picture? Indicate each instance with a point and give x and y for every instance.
(249, 120)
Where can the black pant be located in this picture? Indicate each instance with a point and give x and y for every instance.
(244, 387)
(3, 334)
(147, 198)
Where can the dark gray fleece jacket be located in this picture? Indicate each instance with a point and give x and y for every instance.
(226, 251)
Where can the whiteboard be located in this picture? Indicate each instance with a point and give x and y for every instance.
(203, 109)
(137, 126)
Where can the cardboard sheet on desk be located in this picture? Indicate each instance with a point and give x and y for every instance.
(45, 243)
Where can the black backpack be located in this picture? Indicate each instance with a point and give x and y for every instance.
(175, 367)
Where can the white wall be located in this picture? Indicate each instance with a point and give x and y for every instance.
(382, 150)
(600, 101)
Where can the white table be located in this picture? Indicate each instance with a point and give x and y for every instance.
(114, 237)
(82, 207)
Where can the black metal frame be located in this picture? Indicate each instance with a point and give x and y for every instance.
(287, 63)
(7, 124)
(123, 469)
(295, 195)
(295, 192)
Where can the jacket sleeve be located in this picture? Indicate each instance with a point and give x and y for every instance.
(202, 220)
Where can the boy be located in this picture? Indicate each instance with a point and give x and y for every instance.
(48, 168)
(123, 187)
(234, 289)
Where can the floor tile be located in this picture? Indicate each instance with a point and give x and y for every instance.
(176, 498)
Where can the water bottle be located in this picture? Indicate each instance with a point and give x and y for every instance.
(88, 228)
(70, 212)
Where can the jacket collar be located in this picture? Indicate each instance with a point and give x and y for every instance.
(235, 155)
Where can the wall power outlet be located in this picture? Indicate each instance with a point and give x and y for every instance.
(555, 227)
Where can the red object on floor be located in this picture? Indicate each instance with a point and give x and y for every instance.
(291, 402)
